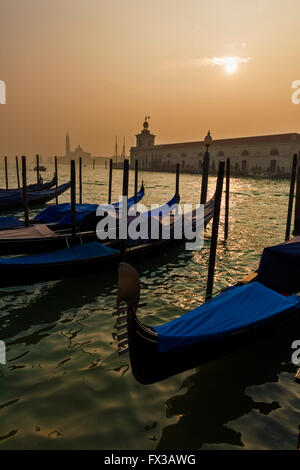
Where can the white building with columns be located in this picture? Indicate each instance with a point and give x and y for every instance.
(266, 154)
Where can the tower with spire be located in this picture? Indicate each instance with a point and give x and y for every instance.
(145, 138)
(68, 149)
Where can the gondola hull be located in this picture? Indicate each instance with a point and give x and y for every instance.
(37, 198)
(149, 366)
(31, 187)
(247, 311)
(43, 244)
(15, 243)
(28, 273)
(31, 272)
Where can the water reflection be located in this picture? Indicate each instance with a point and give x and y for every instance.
(217, 394)
(61, 340)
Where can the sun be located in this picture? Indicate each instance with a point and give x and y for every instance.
(230, 63)
(231, 67)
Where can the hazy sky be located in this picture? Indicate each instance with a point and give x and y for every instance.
(97, 67)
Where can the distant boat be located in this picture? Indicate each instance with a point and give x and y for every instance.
(41, 168)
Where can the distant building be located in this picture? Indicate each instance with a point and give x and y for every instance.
(76, 154)
(267, 154)
(87, 158)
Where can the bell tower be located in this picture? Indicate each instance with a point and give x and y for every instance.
(67, 144)
(145, 139)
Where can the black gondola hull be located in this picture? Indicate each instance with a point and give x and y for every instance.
(150, 366)
(36, 198)
(30, 274)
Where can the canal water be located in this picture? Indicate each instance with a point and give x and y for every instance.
(64, 385)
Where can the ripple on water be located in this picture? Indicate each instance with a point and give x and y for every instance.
(64, 385)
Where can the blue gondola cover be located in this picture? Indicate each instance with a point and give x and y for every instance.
(61, 213)
(16, 197)
(279, 267)
(76, 253)
(10, 222)
(233, 310)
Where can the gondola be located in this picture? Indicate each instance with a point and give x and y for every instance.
(59, 215)
(32, 187)
(81, 260)
(36, 198)
(241, 313)
(40, 238)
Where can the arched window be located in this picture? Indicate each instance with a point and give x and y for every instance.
(221, 154)
(274, 152)
(245, 153)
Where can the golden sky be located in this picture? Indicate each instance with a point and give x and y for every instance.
(97, 67)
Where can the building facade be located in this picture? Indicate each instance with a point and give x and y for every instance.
(267, 155)
(87, 158)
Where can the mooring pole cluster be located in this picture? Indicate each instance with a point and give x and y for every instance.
(136, 176)
(227, 192)
(125, 198)
(25, 198)
(177, 182)
(110, 180)
(205, 172)
(17, 170)
(215, 231)
(6, 175)
(80, 180)
(73, 201)
(56, 179)
(297, 203)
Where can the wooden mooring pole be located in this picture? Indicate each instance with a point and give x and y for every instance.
(6, 175)
(80, 180)
(205, 171)
(136, 177)
(226, 224)
(297, 205)
(17, 169)
(38, 171)
(291, 198)
(124, 204)
(215, 230)
(25, 198)
(177, 182)
(56, 179)
(73, 201)
(110, 181)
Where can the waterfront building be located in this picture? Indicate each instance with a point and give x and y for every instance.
(265, 154)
